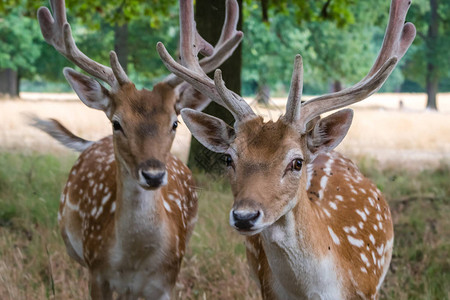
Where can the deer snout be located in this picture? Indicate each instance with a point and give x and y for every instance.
(154, 178)
(152, 174)
(245, 220)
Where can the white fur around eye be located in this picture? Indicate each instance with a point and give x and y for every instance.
(291, 155)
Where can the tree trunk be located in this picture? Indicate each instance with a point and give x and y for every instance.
(432, 76)
(432, 90)
(9, 83)
(337, 86)
(210, 15)
(263, 95)
(121, 45)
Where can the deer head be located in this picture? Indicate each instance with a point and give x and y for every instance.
(266, 161)
(144, 122)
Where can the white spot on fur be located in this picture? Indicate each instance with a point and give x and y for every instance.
(167, 206)
(372, 239)
(380, 249)
(334, 236)
(309, 172)
(106, 198)
(374, 258)
(362, 214)
(323, 184)
(365, 260)
(333, 205)
(100, 210)
(93, 211)
(355, 242)
(353, 229)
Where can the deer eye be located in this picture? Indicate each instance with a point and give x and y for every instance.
(228, 160)
(296, 164)
(116, 126)
(175, 125)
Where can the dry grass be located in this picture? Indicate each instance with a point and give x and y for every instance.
(380, 129)
(17, 135)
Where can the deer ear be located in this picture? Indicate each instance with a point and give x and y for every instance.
(92, 93)
(211, 132)
(188, 97)
(329, 132)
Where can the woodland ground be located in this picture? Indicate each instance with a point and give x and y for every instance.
(405, 151)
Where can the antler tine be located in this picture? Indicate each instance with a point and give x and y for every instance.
(57, 32)
(358, 92)
(228, 42)
(201, 82)
(398, 38)
(198, 80)
(295, 92)
(235, 103)
(190, 69)
(191, 43)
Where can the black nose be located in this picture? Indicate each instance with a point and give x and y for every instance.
(153, 179)
(245, 220)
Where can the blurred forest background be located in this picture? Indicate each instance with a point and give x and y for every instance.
(338, 40)
(398, 143)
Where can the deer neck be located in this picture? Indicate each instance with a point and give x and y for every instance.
(294, 250)
(298, 226)
(138, 213)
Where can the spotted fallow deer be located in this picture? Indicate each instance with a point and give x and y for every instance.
(315, 227)
(129, 206)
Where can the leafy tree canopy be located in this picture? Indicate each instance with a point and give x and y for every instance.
(426, 49)
(18, 38)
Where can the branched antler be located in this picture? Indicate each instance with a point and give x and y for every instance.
(57, 32)
(194, 71)
(398, 38)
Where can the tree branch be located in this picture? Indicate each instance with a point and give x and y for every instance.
(264, 10)
(324, 12)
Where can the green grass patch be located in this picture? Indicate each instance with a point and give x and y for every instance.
(30, 187)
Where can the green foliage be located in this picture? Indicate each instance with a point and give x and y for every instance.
(146, 66)
(120, 11)
(19, 36)
(337, 11)
(331, 51)
(338, 40)
(269, 49)
(426, 49)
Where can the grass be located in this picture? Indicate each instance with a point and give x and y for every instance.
(34, 265)
(420, 206)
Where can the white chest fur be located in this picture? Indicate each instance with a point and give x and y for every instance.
(143, 280)
(136, 259)
(297, 272)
